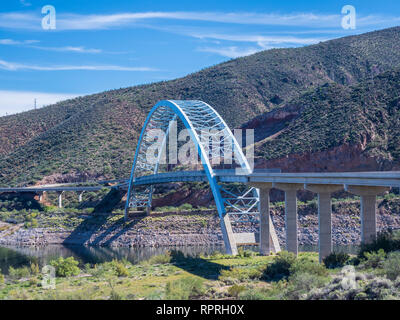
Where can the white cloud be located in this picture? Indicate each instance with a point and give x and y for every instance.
(17, 42)
(25, 3)
(17, 101)
(230, 52)
(14, 66)
(28, 43)
(68, 21)
(68, 49)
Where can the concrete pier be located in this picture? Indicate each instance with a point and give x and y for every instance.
(60, 199)
(80, 194)
(291, 220)
(368, 210)
(324, 216)
(265, 245)
(227, 233)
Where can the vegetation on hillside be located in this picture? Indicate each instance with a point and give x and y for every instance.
(367, 114)
(95, 136)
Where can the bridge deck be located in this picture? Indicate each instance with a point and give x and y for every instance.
(381, 178)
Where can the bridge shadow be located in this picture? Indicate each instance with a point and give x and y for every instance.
(98, 230)
(197, 266)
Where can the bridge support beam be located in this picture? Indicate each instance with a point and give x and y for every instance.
(80, 196)
(265, 245)
(368, 210)
(291, 220)
(228, 236)
(324, 216)
(60, 198)
(268, 238)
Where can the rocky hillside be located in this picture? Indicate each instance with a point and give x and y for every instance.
(95, 136)
(336, 127)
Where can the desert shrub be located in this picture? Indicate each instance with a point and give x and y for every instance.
(245, 253)
(235, 290)
(159, 259)
(391, 265)
(374, 259)
(280, 267)
(305, 265)
(184, 288)
(65, 267)
(98, 271)
(300, 283)
(241, 274)
(120, 268)
(185, 206)
(336, 260)
(387, 240)
(19, 273)
(34, 268)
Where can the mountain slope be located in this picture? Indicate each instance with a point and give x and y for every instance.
(95, 136)
(359, 125)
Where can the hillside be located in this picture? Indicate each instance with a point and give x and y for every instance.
(95, 136)
(337, 127)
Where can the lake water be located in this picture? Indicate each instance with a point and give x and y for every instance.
(23, 256)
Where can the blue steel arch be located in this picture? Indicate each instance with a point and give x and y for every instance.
(196, 116)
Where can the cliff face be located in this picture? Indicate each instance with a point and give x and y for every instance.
(344, 158)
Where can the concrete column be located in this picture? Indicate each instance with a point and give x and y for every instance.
(60, 199)
(291, 220)
(227, 234)
(324, 224)
(324, 216)
(268, 238)
(368, 210)
(265, 246)
(80, 196)
(368, 218)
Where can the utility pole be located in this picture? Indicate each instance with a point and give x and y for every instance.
(35, 103)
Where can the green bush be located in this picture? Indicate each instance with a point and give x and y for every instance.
(391, 265)
(240, 273)
(66, 267)
(185, 207)
(120, 268)
(19, 273)
(34, 268)
(305, 265)
(388, 241)
(336, 260)
(1, 278)
(184, 288)
(300, 283)
(235, 290)
(280, 267)
(374, 259)
(159, 259)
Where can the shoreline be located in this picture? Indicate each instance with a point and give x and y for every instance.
(194, 228)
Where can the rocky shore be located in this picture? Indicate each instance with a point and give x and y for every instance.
(196, 228)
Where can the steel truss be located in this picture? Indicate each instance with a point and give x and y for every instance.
(201, 120)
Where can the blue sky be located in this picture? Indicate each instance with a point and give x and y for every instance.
(101, 45)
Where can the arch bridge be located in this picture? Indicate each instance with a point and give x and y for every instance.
(232, 196)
